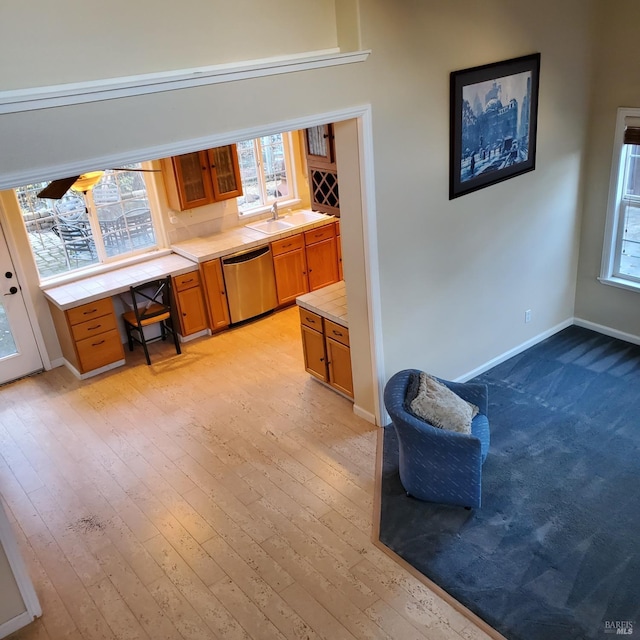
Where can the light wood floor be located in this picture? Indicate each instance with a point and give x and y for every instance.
(222, 493)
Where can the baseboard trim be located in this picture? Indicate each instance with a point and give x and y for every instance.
(607, 331)
(22, 620)
(364, 414)
(515, 351)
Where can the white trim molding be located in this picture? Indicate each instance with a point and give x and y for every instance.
(494, 362)
(19, 100)
(607, 331)
(21, 576)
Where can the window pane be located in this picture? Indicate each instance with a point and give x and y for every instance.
(58, 230)
(248, 161)
(7, 343)
(263, 168)
(122, 207)
(275, 174)
(633, 174)
(630, 249)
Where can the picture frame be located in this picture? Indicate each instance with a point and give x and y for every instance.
(493, 123)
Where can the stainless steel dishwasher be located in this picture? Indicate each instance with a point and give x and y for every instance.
(250, 283)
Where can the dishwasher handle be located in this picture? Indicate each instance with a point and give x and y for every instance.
(246, 256)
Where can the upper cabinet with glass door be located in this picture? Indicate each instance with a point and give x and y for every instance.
(319, 146)
(202, 177)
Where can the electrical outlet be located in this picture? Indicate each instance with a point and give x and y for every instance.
(527, 316)
(173, 219)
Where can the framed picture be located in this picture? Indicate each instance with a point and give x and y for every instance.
(494, 113)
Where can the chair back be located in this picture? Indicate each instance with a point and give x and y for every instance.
(74, 237)
(152, 299)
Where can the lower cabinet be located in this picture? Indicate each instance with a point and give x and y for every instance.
(290, 268)
(322, 256)
(89, 335)
(327, 355)
(215, 294)
(191, 313)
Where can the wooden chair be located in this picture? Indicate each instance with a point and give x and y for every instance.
(152, 303)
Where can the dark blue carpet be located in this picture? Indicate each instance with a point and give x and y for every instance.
(553, 554)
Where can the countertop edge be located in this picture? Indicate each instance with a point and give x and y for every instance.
(263, 239)
(65, 305)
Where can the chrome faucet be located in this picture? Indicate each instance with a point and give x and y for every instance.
(274, 211)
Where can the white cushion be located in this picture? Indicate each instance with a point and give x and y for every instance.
(439, 406)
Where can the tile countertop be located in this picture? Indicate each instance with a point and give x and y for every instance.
(236, 239)
(111, 283)
(329, 302)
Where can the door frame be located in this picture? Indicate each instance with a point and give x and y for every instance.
(362, 114)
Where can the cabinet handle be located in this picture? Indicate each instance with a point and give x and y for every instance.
(337, 333)
(88, 313)
(94, 328)
(321, 359)
(284, 246)
(189, 280)
(311, 320)
(95, 344)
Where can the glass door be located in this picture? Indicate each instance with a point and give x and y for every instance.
(19, 353)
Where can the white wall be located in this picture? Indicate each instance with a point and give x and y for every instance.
(456, 276)
(70, 41)
(615, 84)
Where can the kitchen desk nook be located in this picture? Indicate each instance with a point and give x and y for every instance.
(85, 318)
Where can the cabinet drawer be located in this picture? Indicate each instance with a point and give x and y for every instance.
(317, 235)
(93, 327)
(311, 320)
(101, 350)
(337, 332)
(187, 280)
(287, 244)
(90, 310)
(337, 227)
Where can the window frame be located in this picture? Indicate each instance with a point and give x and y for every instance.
(105, 262)
(614, 225)
(292, 198)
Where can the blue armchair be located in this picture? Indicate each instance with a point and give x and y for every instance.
(438, 465)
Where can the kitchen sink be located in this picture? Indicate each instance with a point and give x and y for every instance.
(291, 221)
(269, 227)
(304, 217)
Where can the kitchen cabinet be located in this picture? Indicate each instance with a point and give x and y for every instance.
(215, 294)
(202, 177)
(338, 357)
(321, 165)
(89, 336)
(322, 256)
(191, 313)
(320, 147)
(290, 268)
(327, 354)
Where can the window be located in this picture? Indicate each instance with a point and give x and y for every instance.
(621, 253)
(111, 221)
(265, 168)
